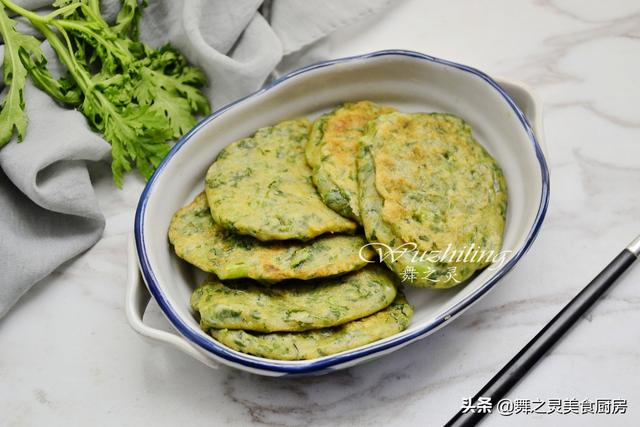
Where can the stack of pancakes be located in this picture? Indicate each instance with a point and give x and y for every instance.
(288, 217)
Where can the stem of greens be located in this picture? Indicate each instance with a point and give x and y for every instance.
(68, 8)
(23, 12)
(82, 80)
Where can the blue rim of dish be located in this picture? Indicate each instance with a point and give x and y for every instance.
(299, 367)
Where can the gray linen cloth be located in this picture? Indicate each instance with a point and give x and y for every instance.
(49, 212)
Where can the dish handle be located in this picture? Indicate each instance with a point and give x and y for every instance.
(136, 302)
(526, 100)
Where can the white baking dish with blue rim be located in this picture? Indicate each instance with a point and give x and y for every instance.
(499, 114)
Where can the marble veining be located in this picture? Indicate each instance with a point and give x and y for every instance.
(68, 356)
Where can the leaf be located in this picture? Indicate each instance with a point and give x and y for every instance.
(128, 19)
(176, 110)
(13, 119)
(62, 90)
(165, 101)
(180, 86)
(137, 134)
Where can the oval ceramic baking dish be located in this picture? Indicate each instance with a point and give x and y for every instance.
(407, 80)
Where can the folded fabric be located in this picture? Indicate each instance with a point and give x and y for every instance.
(48, 209)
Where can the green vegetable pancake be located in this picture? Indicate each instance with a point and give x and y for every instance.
(320, 342)
(298, 306)
(200, 241)
(331, 153)
(439, 180)
(261, 186)
(438, 184)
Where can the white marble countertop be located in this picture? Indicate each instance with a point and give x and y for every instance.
(68, 356)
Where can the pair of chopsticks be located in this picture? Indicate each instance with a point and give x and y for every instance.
(518, 367)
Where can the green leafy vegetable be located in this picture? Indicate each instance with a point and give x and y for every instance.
(13, 119)
(128, 18)
(136, 96)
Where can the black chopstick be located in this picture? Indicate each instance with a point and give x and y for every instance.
(518, 367)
